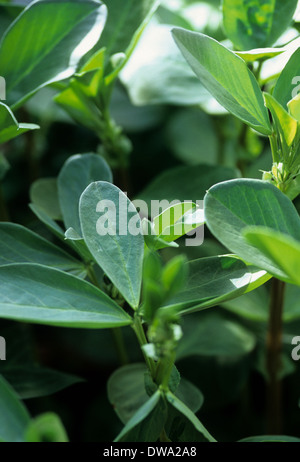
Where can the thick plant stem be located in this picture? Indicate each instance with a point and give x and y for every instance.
(274, 347)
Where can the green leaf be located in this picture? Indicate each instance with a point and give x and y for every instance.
(232, 206)
(282, 250)
(214, 280)
(147, 423)
(286, 86)
(45, 43)
(193, 180)
(153, 241)
(177, 220)
(44, 194)
(46, 428)
(257, 23)
(79, 106)
(127, 391)
(68, 237)
(14, 417)
(76, 174)
(294, 107)
(226, 76)
(215, 336)
(286, 124)
(190, 395)
(114, 238)
(270, 439)
(259, 54)
(31, 381)
(42, 295)
(125, 24)
(20, 245)
(192, 430)
(9, 126)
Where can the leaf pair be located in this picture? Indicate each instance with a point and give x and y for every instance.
(145, 418)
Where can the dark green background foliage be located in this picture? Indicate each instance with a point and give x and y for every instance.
(176, 141)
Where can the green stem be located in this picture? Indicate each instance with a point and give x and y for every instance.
(163, 370)
(274, 148)
(273, 360)
(139, 331)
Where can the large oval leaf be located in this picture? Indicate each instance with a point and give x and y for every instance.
(257, 24)
(76, 174)
(226, 76)
(232, 206)
(110, 236)
(45, 43)
(38, 294)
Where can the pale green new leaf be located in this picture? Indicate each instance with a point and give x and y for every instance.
(9, 126)
(286, 124)
(46, 427)
(280, 248)
(259, 54)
